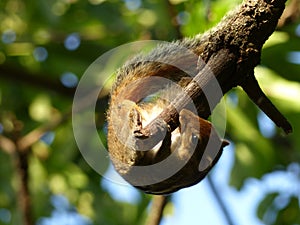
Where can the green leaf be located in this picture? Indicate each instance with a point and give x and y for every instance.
(266, 205)
(289, 214)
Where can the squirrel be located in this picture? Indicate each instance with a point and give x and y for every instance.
(146, 85)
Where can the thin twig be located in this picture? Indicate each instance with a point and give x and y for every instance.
(20, 162)
(7, 145)
(25, 142)
(24, 197)
(156, 212)
(220, 201)
(290, 14)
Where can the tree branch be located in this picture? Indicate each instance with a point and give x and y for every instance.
(231, 51)
(19, 148)
(39, 80)
(290, 14)
(21, 163)
(24, 199)
(155, 215)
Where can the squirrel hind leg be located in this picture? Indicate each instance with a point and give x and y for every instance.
(253, 90)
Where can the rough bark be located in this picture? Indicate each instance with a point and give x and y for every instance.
(231, 51)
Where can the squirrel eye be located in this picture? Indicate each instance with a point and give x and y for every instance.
(194, 138)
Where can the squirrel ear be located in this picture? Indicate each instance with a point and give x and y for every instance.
(224, 143)
(253, 90)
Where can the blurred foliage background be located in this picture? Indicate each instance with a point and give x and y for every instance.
(45, 48)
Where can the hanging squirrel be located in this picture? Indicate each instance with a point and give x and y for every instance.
(149, 86)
